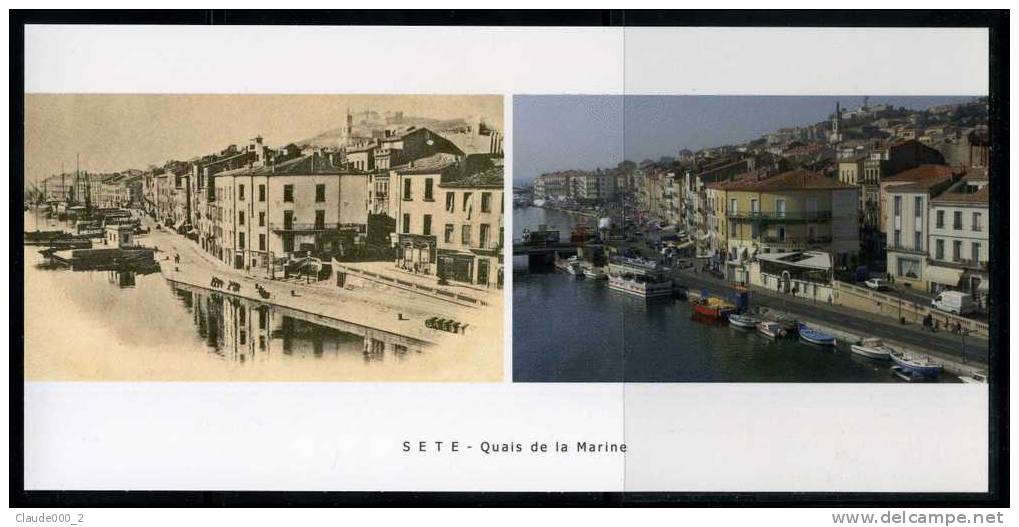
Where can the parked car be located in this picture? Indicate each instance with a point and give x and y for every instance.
(878, 284)
(955, 302)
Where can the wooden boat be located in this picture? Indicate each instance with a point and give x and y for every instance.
(713, 307)
(920, 366)
(872, 348)
(907, 375)
(814, 336)
(771, 329)
(743, 320)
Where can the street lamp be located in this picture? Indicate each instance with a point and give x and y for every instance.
(964, 332)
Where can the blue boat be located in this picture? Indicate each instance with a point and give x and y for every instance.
(923, 367)
(815, 337)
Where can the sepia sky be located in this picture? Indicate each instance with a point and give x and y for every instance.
(117, 132)
(560, 132)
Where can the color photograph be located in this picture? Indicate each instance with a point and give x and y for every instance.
(750, 239)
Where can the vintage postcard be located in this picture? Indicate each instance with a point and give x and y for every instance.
(250, 237)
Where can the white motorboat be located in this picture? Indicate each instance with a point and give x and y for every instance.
(575, 269)
(872, 348)
(596, 273)
(743, 320)
(771, 329)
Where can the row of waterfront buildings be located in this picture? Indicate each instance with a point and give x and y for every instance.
(430, 202)
(917, 208)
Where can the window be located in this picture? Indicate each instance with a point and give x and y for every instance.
(261, 242)
(288, 193)
(240, 217)
(450, 201)
(320, 219)
(406, 189)
(240, 240)
(320, 193)
(426, 229)
(898, 205)
(754, 206)
(780, 208)
(957, 220)
(465, 235)
(406, 223)
(956, 250)
(288, 220)
(781, 234)
(261, 193)
(918, 206)
(897, 240)
(975, 252)
(486, 202)
(483, 235)
(240, 192)
(941, 219)
(918, 241)
(976, 222)
(429, 194)
(448, 237)
(467, 200)
(261, 219)
(939, 249)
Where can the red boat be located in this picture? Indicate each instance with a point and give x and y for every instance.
(713, 308)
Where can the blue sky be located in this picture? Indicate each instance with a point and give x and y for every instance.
(557, 132)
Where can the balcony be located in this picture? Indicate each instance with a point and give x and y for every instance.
(904, 249)
(781, 217)
(962, 263)
(309, 228)
(797, 240)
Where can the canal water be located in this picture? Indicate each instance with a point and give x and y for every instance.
(110, 325)
(570, 330)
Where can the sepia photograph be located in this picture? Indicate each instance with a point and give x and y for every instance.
(751, 239)
(263, 237)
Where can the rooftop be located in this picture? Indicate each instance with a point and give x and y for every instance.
(490, 178)
(921, 178)
(305, 165)
(432, 164)
(792, 180)
(961, 196)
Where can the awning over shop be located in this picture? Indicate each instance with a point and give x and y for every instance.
(943, 275)
(806, 259)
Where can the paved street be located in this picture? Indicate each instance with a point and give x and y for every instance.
(375, 307)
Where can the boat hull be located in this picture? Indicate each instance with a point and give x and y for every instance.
(815, 337)
(870, 353)
(742, 321)
(771, 330)
(711, 312)
(641, 289)
(926, 370)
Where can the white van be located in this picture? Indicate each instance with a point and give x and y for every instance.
(955, 302)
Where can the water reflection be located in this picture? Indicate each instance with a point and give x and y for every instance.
(244, 330)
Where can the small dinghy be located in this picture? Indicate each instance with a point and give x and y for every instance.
(907, 375)
(814, 336)
(872, 348)
(771, 329)
(924, 367)
(743, 320)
